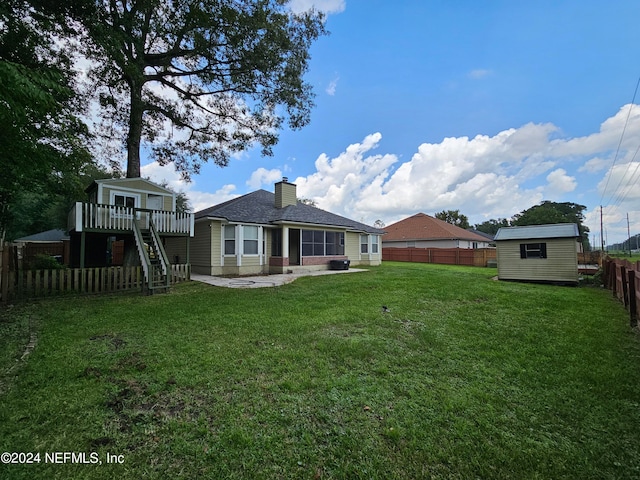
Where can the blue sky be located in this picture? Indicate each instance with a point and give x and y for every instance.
(487, 107)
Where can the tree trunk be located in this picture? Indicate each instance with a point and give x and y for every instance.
(135, 132)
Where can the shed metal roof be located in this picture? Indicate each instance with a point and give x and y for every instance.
(528, 232)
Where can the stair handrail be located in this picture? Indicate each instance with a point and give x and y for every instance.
(164, 260)
(142, 251)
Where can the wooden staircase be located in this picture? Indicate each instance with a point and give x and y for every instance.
(153, 258)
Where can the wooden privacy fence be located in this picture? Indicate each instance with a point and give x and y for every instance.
(23, 284)
(622, 277)
(477, 257)
(593, 257)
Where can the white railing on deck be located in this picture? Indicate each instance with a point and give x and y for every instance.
(95, 216)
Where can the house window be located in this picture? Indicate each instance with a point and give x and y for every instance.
(374, 243)
(276, 242)
(124, 201)
(229, 240)
(318, 243)
(312, 243)
(335, 243)
(155, 202)
(250, 240)
(533, 250)
(364, 243)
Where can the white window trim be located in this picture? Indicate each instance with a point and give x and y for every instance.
(235, 238)
(372, 243)
(256, 239)
(367, 243)
(135, 196)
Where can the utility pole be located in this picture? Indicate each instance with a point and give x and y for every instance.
(601, 231)
(629, 233)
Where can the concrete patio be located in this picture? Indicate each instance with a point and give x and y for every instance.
(260, 281)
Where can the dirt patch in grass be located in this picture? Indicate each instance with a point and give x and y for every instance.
(114, 341)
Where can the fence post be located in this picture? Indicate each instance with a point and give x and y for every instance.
(625, 286)
(4, 272)
(631, 288)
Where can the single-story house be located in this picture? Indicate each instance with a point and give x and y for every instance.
(53, 242)
(488, 236)
(263, 232)
(424, 231)
(539, 253)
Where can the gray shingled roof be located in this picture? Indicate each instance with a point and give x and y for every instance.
(555, 230)
(55, 235)
(259, 207)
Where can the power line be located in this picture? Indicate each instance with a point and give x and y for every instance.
(615, 158)
(619, 193)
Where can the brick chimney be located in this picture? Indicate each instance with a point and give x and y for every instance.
(285, 193)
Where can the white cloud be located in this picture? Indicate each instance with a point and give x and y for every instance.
(331, 88)
(621, 183)
(483, 177)
(595, 165)
(164, 174)
(339, 184)
(262, 176)
(559, 183)
(198, 200)
(326, 6)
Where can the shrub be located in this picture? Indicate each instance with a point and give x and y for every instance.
(45, 262)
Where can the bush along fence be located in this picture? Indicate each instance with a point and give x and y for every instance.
(622, 277)
(478, 257)
(24, 284)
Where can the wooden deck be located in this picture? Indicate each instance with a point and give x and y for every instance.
(96, 217)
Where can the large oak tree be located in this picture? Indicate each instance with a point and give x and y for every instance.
(193, 81)
(42, 140)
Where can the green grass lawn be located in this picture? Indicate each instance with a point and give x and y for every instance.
(462, 378)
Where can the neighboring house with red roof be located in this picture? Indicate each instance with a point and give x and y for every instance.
(424, 231)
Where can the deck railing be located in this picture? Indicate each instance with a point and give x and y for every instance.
(96, 217)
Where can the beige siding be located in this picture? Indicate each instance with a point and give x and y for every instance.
(138, 188)
(352, 247)
(216, 243)
(267, 244)
(135, 184)
(561, 264)
(369, 258)
(201, 248)
(176, 247)
(285, 194)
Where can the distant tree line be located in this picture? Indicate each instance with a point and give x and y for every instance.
(544, 213)
(630, 244)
